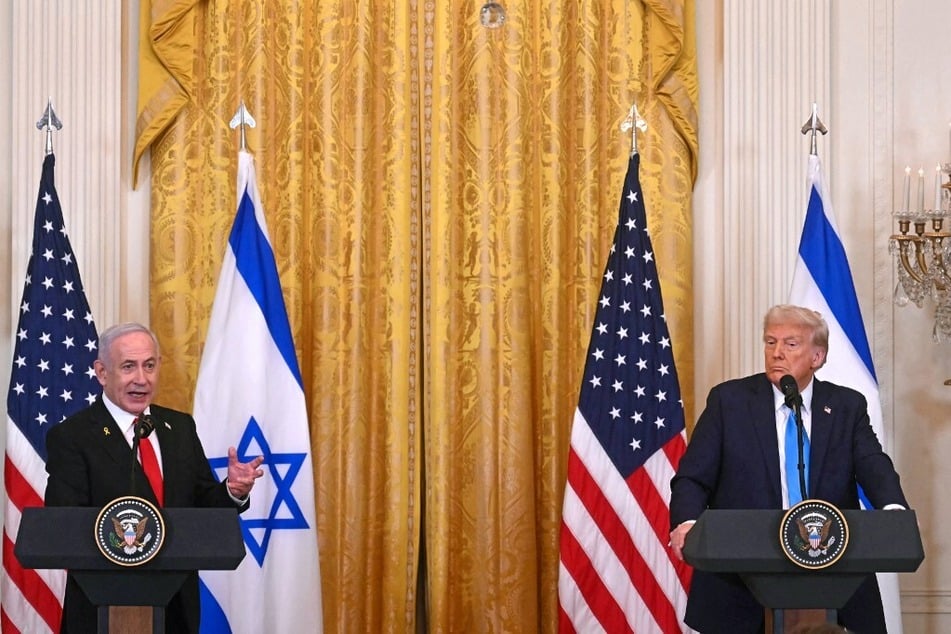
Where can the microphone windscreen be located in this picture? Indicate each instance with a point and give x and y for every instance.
(787, 385)
(145, 426)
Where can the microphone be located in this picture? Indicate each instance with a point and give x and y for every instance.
(141, 428)
(789, 388)
(144, 426)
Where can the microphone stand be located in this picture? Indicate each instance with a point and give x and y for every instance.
(800, 431)
(135, 456)
(141, 428)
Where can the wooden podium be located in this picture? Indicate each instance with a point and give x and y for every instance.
(195, 539)
(746, 543)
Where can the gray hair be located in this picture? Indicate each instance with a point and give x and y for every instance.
(108, 336)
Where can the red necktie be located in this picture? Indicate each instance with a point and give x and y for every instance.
(151, 467)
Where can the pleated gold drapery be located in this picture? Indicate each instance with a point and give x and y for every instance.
(441, 197)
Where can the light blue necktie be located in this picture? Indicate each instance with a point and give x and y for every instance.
(792, 459)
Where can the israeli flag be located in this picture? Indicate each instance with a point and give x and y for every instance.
(822, 281)
(249, 395)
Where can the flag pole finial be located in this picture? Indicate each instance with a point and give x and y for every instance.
(243, 119)
(812, 125)
(634, 122)
(49, 120)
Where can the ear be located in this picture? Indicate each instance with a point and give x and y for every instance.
(818, 358)
(100, 371)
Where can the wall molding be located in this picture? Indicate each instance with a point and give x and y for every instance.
(926, 602)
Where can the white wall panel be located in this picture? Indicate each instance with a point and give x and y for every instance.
(81, 55)
(878, 70)
(769, 63)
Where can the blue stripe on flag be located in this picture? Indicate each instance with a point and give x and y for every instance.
(213, 619)
(821, 250)
(824, 256)
(246, 399)
(255, 261)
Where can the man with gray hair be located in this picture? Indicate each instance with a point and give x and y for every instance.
(90, 459)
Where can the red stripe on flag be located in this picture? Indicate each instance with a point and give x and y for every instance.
(565, 626)
(32, 587)
(19, 491)
(657, 511)
(627, 550)
(675, 449)
(651, 503)
(596, 595)
(6, 625)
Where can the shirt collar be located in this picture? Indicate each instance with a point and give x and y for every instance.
(779, 400)
(123, 418)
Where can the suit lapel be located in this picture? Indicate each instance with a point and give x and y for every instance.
(116, 447)
(170, 442)
(113, 438)
(823, 411)
(763, 416)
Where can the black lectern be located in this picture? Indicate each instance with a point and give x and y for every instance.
(746, 542)
(195, 539)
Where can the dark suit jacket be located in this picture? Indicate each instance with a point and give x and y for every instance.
(89, 463)
(732, 462)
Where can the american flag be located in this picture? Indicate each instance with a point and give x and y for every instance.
(617, 573)
(52, 377)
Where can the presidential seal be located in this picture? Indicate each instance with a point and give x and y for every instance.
(813, 534)
(129, 531)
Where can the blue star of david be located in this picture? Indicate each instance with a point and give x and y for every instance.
(283, 496)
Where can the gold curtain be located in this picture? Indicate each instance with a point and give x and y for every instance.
(441, 197)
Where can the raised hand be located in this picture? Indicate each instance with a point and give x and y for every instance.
(241, 475)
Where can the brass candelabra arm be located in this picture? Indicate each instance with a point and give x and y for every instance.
(921, 248)
(905, 244)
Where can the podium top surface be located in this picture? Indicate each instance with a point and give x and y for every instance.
(747, 541)
(64, 537)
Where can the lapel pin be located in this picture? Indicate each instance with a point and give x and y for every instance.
(167, 426)
(105, 431)
(827, 409)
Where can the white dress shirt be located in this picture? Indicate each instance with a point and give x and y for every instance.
(782, 414)
(125, 420)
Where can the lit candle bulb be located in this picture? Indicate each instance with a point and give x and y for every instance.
(921, 189)
(937, 187)
(906, 191)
